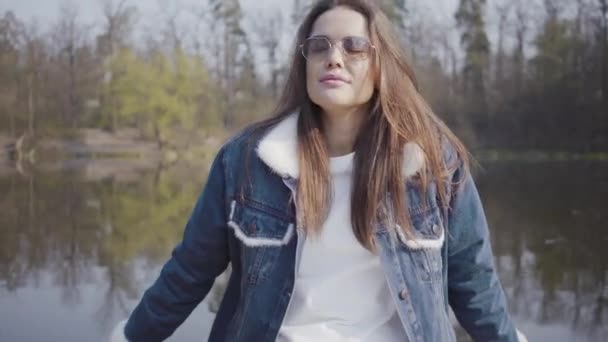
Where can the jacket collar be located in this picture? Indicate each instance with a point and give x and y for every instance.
(279, 147)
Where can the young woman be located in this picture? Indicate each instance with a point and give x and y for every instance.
(348, 216)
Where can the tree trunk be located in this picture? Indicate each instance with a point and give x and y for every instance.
(604, 8)
(72, 91)
(30, 104)
(157, 136)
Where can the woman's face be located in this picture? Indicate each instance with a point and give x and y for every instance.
(339, 78)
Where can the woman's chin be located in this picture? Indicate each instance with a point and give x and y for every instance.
(334, 102)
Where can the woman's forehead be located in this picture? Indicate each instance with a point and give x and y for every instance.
(340, 22)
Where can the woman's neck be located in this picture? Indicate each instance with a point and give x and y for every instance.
(341, 129)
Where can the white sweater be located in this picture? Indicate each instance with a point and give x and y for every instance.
(341, 293)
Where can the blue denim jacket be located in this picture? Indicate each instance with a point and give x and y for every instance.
(246, 217)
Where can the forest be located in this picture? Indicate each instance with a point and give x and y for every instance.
(514, 76)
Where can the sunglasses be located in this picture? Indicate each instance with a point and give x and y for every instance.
(351, 47)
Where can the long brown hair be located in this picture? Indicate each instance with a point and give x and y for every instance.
(398, 114)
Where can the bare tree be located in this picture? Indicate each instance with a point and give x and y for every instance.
(555, 8)
(173, 31)
(207, 38)
(298, 11)
(450, 60)
(227, 24)
(9, 56)
(119, 21)
(579, 53)
(522, 26)
(470, 18)
(268, 29)
(34, 49)
(200, 35)
(503, 9)
(70, 38)
(604, 45)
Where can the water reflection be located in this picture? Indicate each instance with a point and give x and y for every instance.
(88, 246)
(82, 232)
(549, 230)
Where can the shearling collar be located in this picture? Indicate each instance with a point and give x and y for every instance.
(279, 148)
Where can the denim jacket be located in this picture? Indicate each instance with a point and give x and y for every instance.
(246, 217)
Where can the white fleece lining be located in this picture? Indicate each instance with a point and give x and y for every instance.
(232, 208)
(419, 244)
(279, 150)
(257, 242)
(520, 336)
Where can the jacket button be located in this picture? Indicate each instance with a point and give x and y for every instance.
(436, 229)
(403, 294)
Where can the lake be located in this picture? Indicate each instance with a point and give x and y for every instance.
(78, 246)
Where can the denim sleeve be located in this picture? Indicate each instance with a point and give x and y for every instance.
(188, 275)
(474, 290)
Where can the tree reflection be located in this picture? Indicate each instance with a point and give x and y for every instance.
(96, 233)
(550, 241)
(547, 223)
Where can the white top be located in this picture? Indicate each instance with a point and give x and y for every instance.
(340, 291)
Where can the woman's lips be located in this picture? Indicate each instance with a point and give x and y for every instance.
(332, 81)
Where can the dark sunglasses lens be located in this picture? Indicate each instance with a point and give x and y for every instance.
(355, 45)
(316, 46)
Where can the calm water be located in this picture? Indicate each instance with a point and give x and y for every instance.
(79, 247)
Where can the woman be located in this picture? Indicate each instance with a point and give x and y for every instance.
(349, 216)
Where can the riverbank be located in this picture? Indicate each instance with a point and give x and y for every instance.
(97, 143)
(98, 154)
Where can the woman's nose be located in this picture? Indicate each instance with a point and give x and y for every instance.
(335, 57)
